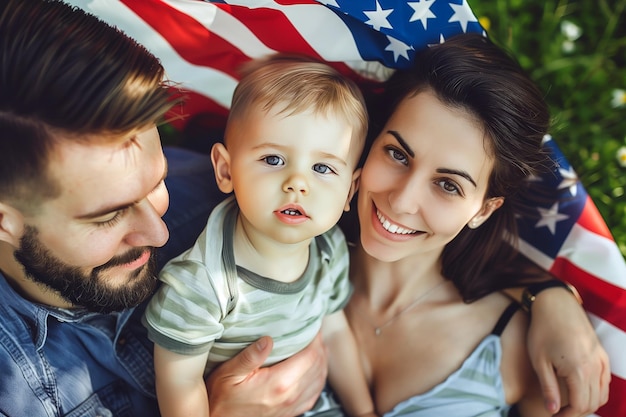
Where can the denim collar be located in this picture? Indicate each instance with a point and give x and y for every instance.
(35, 315)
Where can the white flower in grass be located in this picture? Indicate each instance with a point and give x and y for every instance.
(570, 30)
(568, 46)
(621, 156)
(618, 98)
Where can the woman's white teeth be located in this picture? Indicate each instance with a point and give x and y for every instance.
(393, 228)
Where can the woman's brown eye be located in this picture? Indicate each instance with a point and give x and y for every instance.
(397, 155)
(449, 187)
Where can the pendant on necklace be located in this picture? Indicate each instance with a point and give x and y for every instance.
(378, 330)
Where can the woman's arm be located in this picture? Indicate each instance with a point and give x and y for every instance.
(522, 387)
(562, 343)
(241, 388)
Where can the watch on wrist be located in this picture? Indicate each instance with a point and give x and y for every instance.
(532, 290)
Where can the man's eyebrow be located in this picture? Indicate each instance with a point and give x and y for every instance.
(402, 142)
(456, 172)
(111, 209)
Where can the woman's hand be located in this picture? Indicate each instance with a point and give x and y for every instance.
(241, 388)
(563, 344)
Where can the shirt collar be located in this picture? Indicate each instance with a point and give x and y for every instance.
(36, 315)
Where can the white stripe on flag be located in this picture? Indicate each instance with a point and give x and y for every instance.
(203, 80)
(613, 340)
(325, 32)
(596, 255)
(535, 255)
(223, 25)
(333, 41)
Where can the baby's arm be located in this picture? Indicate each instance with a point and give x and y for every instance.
(180, 387)
(345, 372)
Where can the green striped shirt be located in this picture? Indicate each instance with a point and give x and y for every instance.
(192, 311)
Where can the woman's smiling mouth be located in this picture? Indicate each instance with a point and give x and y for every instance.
(392, 227)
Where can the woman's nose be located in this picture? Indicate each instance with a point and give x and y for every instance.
(406, 197)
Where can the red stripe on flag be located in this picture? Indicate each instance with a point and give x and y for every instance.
(592, 220)
(191, 40)
(199, 46)
(209, 114)
(616, 406)
(600, 297)
(274, 29)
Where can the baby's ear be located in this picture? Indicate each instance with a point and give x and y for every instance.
(11, 225)
(221, 165)
(354, 187)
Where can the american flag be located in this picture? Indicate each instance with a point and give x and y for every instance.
(201, 44)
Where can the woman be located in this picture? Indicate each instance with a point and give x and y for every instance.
(464, 134)
(438, 191)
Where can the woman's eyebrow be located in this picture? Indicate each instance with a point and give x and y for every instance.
(402, 142)
(456, 172)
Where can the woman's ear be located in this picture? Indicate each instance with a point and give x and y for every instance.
(354, 187)
(489, 206)
(11, 224)
(221, 165)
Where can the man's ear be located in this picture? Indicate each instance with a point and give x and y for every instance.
(489, 206)
(11, 224)
(354, 187)
(221, 165)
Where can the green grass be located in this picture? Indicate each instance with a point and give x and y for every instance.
(578, 83)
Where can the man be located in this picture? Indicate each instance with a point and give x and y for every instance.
(82, 196)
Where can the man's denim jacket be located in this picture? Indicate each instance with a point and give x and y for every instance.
(57, 362)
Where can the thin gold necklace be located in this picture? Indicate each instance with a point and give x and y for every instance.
(379, 329)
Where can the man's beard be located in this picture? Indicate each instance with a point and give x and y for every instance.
(87, 290)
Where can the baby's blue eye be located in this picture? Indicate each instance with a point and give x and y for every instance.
(322, 169)
(274, 160)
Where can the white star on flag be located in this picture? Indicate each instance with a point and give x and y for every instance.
(422, 12)
(570, 180)
(398, 48)
(550, 217)
(462, 14)
(378, 18)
